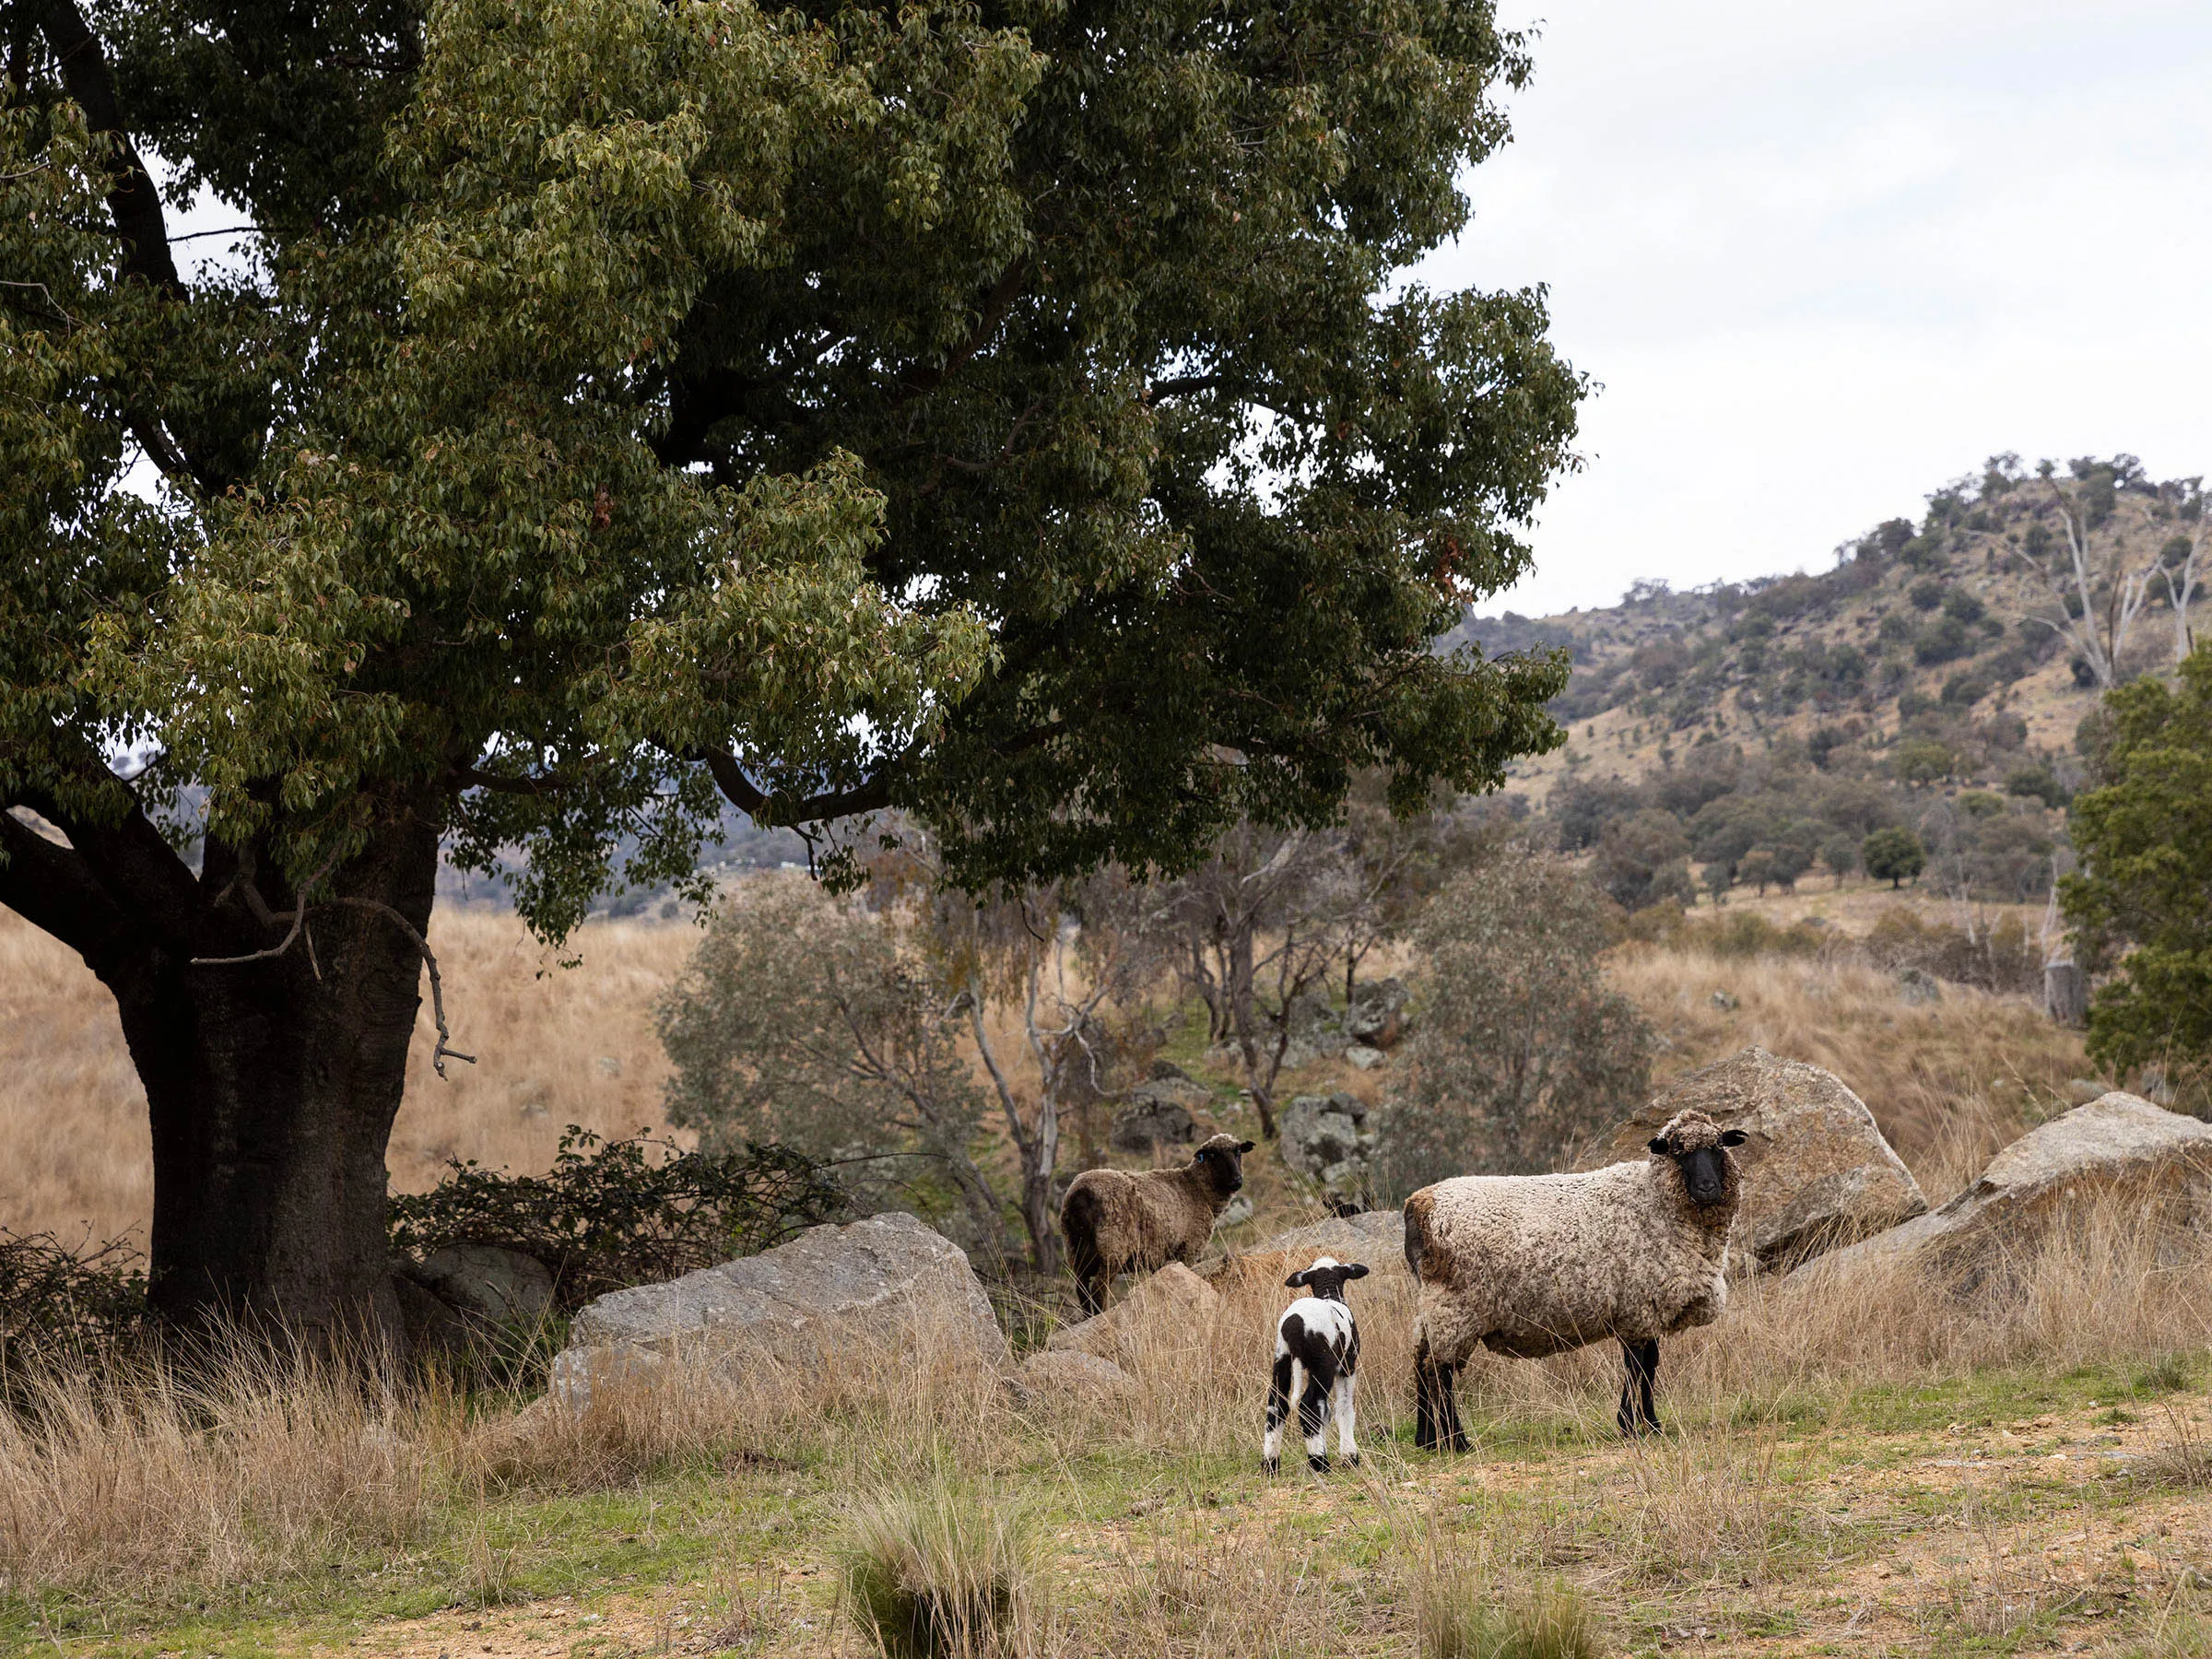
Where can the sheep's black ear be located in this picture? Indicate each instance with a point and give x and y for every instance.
(1246, 1146)
(1357, 1270)
(1296, 1281)
(1658, 1145)
(1733, 1137)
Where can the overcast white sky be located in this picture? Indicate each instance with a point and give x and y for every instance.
(1825, 257)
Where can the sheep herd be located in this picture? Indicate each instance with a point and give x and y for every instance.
(1523, 1266)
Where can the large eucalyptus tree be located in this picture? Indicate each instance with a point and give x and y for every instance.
(1018, 413)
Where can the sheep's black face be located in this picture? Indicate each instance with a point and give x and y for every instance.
(1221, 1161)
(1704, 1167)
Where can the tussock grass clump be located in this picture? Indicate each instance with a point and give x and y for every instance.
(1462, 1616)
(1209, 1591)
(251, 1467)
(1710, 1510)
(941, 1571)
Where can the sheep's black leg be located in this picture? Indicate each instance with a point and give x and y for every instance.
(1447, 1383)
(1313, 1418)
(1091, 1294)
(1424, 1398)
(1279, 1411)
(1638, 1414)
(1436, 1425)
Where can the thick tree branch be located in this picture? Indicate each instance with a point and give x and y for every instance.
(919, 380)
(127, 856)
(54, 889)
(133, 201)
(469, 777)
(699, 402)
(729, 777)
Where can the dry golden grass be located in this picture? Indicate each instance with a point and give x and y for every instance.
(270, 1469)
(554, 1046)
(72, 1115)
(1949, 1082)
(266, 1466)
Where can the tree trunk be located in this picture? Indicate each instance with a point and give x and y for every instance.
(272, 1087)
(2066, 993)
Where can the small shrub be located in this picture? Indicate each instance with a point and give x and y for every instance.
(938, 1571)
(2000, 955)
(1510, 965)
(610, 1214)
(2037, 782)
(2167, 1374)
(61, 1304)
(1460, 1621)
(1746, 933)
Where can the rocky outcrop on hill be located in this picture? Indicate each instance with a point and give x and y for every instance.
(1329, 1139)
(885, 1283)
(1157, 1111)
(2119, 1155)
(1380, 1014)
(1818, 1172)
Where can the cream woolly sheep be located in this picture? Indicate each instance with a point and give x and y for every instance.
(1535, 1264)
(1316, 1364)
(1118, 1222)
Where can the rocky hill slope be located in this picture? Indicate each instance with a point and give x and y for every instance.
(1939, 679)
(1924, 636)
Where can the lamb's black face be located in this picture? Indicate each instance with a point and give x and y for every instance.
(1221, 1160)
(1704, 1169)
(1326, 1282)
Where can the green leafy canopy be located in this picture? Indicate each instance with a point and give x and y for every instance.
(1018, 415)
(2141, 903)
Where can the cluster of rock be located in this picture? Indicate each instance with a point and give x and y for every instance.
(466, 1296)
(2119, 1155)
(889, 1280)
(1159, 1112)
(1331, 1140)
(1363, 1032)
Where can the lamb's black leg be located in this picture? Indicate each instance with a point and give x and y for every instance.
(1651, 1375)
(1279, 1411)
(1091, 1294)
(1313, 1419)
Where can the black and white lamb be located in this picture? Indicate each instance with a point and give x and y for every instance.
(1535, 1264)
(1316, 1363)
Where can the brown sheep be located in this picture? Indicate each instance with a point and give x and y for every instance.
(1118, 1222)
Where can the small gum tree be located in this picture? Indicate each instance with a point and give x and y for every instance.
(1893, 854)
(1017, 416)
(2141, 904)
(1522, 1054)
